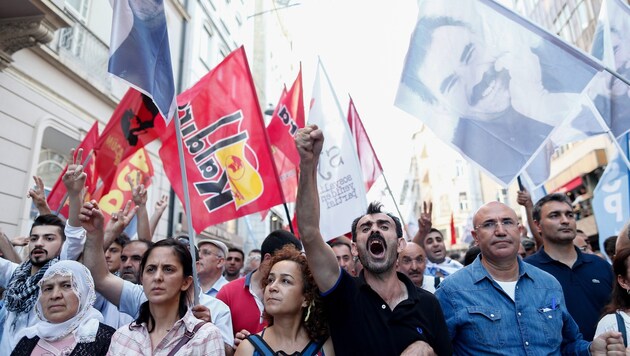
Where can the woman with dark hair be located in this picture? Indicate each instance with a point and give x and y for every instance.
(619, 306)
(293, 310)
(165, 324)
(68, 323)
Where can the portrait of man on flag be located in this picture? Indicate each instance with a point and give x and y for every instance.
(612, 45)
(489, 82)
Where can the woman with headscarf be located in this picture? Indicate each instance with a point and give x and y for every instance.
(293, 309)
(68, 323)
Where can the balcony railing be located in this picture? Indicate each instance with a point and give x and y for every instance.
(84, 53)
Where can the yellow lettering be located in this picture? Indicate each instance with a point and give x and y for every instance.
(112, 201)
(139, 160)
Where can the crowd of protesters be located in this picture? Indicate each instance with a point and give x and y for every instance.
(86, 288)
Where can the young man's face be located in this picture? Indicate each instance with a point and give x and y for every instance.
(44, 244)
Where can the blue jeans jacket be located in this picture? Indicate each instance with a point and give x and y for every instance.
(483, 319)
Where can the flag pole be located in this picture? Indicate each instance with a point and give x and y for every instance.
(187, 205)
(402, 220)
(286, 211)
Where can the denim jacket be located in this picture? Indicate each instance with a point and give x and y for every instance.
(483, 319)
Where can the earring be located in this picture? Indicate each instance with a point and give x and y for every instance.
(308, 311)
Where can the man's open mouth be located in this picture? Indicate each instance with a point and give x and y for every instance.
(376, 244)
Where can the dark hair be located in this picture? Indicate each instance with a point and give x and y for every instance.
(122, 239)
(50, 220)
(609, 245)
(421, 40)
(375, 208)
(184, 257)
(255, 250)
(316, 326)
(236, 249)
(276, 240)
(340, 243)
(620, 299)
(559, 197)
(471, 255)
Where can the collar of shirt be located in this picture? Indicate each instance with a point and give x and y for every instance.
(479, 272)
(545, 258)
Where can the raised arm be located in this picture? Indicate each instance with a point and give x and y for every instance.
(38, 194)
(74, 180)
(525, 199)
(105, 283)
(139, 194)
(424, 223)
(160, 206)
(321, 258)
(8, 252)
(117, 223)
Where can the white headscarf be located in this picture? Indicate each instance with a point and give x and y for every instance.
(84, 324)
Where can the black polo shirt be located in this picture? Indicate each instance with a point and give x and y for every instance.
(361, 323)
(587, 286)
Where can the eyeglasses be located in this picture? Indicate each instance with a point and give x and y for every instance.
(491, 225)
(204, 252)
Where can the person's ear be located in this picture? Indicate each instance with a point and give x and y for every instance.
(402, 243)
(186, 283)
(623, 282)
(354, 250)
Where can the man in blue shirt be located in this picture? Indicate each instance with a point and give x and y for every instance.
(503, 306)
(586, 280)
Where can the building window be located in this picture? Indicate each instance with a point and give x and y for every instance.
(206, 47)
(463, 201)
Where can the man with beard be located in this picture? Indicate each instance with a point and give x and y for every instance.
(130, 258)
(412, 262)
(234, 262)
(438, 265)
(499, 305)
(380, 312)
(47, 244)
(586, 280)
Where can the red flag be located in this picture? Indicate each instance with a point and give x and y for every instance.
(453, 232)
(120, 191)
(286, 119)
(58, 192)
(132, 125)
(370, 165)
(226, 149)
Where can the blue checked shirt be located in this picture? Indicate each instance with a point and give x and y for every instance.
(483, 319)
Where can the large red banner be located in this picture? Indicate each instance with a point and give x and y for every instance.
(132, 125)
(228, 160)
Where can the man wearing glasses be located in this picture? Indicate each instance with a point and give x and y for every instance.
(501, 305)
(586, 280)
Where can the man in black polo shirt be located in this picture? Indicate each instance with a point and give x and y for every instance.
(586, 280)
(381, 312)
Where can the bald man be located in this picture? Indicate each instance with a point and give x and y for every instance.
(499, 304)
(412, 261)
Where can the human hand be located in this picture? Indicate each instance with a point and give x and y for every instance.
(74, 178)
(608, 343)
(524, 198)
(201, 312)
(139, 193)
(121, 219)
(424, 221)
(19, 240)
(240, 336)
(418, 348)
(309, 142)
(161, 204)
(91, 217)
(38, 194)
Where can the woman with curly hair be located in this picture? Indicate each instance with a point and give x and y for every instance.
(293, 310)
(617, 312)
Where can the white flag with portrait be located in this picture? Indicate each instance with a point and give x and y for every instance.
(611, 44)
(490, 83)
(339, 180)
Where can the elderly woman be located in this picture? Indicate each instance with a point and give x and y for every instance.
(297, 325)
(68, 324)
